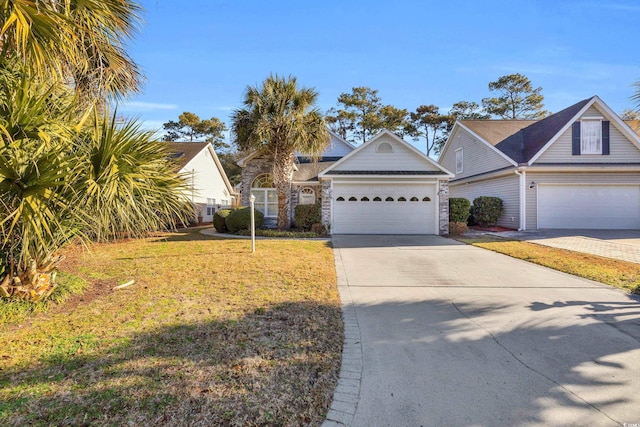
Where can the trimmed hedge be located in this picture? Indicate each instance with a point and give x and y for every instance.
(486, 210)
(459, 209)
(219, 220)
(240, 219)
(307, 215)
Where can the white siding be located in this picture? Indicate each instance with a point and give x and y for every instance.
(337, 148)
(569, 178)
(206, 181)
(477, 156)
(506, 188)
(402, 158)
(621, 149)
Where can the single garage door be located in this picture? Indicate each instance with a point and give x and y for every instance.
(384, 209)
(589, 206)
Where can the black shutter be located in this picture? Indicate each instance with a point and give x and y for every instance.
(575, 139)
(605, 137)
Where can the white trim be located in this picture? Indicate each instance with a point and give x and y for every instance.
(221, 171)
(609, 114)
(455, 131)
(341, 139)
(325, 173)
(461, 150)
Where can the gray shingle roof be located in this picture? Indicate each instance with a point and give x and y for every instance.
(526, 137)
(182, 152)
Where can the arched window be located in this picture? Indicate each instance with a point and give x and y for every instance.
(353, 199)
(426, 199)
(389, 199)
(340, 199)
(266, 196)
(364, 199)
(384, 147)
(402, 199)
(307, 196)
(414, 199)
(377, 199)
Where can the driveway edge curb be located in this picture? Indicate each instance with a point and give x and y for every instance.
(347, 392)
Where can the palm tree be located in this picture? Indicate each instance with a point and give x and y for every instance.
(279, 119)
(77, 42)
(59, 182)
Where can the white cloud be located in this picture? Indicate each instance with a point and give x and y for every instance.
(146, 106)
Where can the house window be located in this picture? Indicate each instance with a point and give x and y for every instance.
(459, 160)
(211, 206)
(307, 196)
(591, 137)
(266, 196)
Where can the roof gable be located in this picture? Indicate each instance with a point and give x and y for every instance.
(181, 153)
(529, 141)
(184, 152)
(336, 149)
(386, 154)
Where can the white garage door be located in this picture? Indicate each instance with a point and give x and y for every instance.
(589, 206)
(384, 209)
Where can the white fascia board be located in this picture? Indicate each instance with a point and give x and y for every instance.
(621, 125)
(491, 146)
(221, 171)
(563, 130)
(341, 139)
(326, 172)
(584, 168)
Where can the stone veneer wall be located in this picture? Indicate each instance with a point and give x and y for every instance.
(256, 166)
(443, 191)
(326, 203)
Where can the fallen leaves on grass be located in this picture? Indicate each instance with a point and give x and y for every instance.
(210, 335)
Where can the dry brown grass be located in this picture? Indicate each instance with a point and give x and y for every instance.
(209, 334)
(621, 274)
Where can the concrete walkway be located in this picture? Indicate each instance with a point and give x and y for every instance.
(443, 334)
(617, 244)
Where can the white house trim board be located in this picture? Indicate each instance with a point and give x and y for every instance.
(243, 161)
(609, 115)
(455, 131)
(396, 139)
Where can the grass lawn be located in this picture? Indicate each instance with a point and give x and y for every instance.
(621, 274)
(209, 334)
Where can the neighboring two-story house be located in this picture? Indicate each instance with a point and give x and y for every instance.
(578, 168)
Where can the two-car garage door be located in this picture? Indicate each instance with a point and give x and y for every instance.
(589, 206)
(384, 208)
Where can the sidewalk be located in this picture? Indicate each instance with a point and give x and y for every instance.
(606, 243)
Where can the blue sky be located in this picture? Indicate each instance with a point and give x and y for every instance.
(200, 55)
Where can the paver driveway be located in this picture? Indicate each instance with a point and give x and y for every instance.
(453, 335)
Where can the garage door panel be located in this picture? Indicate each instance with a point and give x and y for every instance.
(383, 217)
(593, 206)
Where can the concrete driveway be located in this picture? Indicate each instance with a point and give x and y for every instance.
(443, 334)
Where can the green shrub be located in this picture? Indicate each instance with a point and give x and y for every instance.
(219, 218)
(459, 209)
(307, 215)
(486, 210)
(457, 228)
(240, 219)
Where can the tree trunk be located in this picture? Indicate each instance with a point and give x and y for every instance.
(282, 174)
(33, 284)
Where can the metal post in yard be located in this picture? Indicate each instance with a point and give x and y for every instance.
(252, 200)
